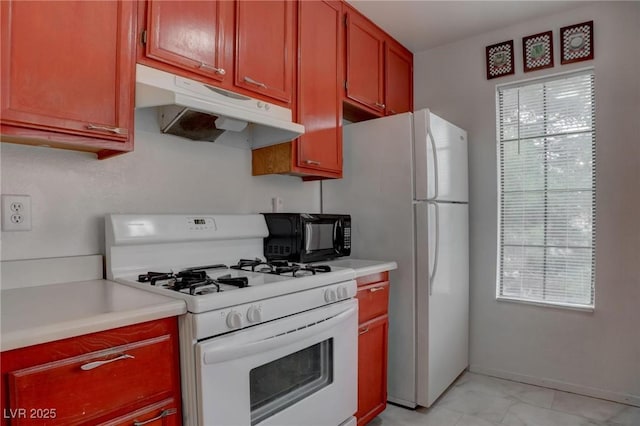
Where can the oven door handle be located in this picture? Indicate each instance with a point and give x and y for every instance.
(222, 353)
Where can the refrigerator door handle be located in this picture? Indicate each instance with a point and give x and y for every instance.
(432, 275)
(435, 164)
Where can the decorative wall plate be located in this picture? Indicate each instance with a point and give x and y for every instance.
(500, 59)
(537, 51)
(577, 42)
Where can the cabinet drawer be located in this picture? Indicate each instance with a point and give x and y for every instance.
(164, 413)
(373, 301)
(89, 386)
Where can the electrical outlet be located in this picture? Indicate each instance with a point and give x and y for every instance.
(277, 205)
(16, 213)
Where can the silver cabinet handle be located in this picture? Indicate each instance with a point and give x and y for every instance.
(315, 163)
(96, 364)
(116, 130)
(366, 330)
(373, 290)
(220, 71)
(379, 105)
(252, 81)
(163, 414)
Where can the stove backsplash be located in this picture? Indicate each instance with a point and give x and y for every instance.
(72, 191)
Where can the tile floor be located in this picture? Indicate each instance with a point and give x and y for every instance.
(477, 400)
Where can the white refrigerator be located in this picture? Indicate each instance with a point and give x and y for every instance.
(405, 185)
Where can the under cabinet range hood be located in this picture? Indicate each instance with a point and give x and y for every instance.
(198, 111)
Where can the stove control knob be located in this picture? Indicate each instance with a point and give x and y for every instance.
(342, 292)
(254, 314)
(330, 295)
(234, 320)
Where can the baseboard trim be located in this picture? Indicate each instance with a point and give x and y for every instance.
(623, 398)
(402, 402)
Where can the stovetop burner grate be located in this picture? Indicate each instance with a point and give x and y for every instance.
(193, 280)
(279, 267)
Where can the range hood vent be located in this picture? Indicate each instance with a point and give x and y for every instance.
(197, 111)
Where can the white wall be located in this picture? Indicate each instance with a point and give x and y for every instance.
(595, 353)
(72, 191)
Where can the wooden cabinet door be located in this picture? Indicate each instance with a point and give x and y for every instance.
(69, 67)
(365, 62)
(264, 48)
(319, 91)
(192, 35)
(398, 79)
(372, 368)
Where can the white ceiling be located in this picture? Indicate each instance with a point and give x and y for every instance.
(420, 24)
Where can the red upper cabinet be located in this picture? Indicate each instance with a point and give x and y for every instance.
(68, 74)
(365, 63)
(243, 46)
(319, 85)
(264, 48)
(398, 78)
(196, 36)
(379, 76)
(320, 71)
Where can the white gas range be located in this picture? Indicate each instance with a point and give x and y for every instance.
(262, 344)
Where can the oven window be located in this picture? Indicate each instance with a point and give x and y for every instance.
(285, 381)
(319, 236)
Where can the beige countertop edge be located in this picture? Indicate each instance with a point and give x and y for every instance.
(93, 324)
(374, 269)
(364, 267)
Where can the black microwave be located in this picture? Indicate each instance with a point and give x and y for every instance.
(302, 237)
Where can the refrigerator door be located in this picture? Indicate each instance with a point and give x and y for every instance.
(443, 305)
(377, 191)
(440, 159)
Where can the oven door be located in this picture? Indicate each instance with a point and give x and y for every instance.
(300, 370)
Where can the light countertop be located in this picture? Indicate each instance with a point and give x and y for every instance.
(34, 315)
(362, 266)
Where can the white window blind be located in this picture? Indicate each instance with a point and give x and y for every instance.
(546, 138)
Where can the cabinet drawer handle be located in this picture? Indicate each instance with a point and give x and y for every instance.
(315, 163)
(96, 364)
(116, 130)
(379, 105)
(366, 330)
(163, 414)
(373, 290)
(392, 111)
(220, 71)
(252, 81)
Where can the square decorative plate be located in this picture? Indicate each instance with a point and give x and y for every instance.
(577, 42)
(500, 59)
(537, 51)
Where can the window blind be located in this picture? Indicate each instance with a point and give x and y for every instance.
(546, 138)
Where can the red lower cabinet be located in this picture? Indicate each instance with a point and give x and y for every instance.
(116, 377)
(372, 369)
(163, 413)
(373, 299)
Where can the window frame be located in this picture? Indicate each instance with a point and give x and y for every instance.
(499, 228)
